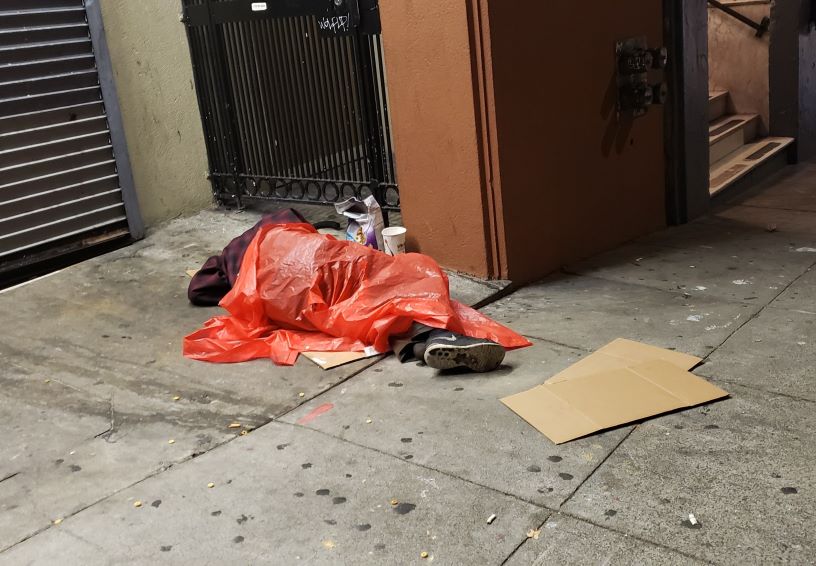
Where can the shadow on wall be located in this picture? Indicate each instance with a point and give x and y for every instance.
(620, 127)
(575, 179)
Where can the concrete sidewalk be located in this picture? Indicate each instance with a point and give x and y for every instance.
(100, 411)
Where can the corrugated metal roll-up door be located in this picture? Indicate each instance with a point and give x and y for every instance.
(61, 187)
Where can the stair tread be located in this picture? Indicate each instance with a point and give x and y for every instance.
(739, 163)
(722, 127)
(717, 104)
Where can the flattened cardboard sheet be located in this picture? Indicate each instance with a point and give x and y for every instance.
(623, 382)
(622, 353)
(330, 360)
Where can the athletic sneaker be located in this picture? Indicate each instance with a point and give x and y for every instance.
(448, 350)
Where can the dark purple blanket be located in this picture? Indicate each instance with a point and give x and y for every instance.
(218, 274)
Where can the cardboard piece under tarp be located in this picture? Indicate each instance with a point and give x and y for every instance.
(624, 381)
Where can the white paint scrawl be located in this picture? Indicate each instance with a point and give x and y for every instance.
(726, 325)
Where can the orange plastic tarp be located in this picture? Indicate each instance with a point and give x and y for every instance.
(301, 291)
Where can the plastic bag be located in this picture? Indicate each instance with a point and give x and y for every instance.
(301, 291)
(365, 224)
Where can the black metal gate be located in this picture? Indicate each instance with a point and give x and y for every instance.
(293, 99)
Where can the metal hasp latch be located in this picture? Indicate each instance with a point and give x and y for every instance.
(636, 62)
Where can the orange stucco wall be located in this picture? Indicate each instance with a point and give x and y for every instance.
(574, 181)
(435, 127)
(510, 157)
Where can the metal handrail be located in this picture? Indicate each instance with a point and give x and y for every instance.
(761, 28)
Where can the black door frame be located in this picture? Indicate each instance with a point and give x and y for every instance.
(792, 112)
(107, 85)
(791, 61)
(686, 114)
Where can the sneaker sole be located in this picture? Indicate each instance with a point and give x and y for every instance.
(476, 357)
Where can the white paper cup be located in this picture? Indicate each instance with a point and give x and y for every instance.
(394, 240)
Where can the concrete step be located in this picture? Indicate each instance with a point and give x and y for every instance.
(728, 133)
(740, 162)
(717, 104)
